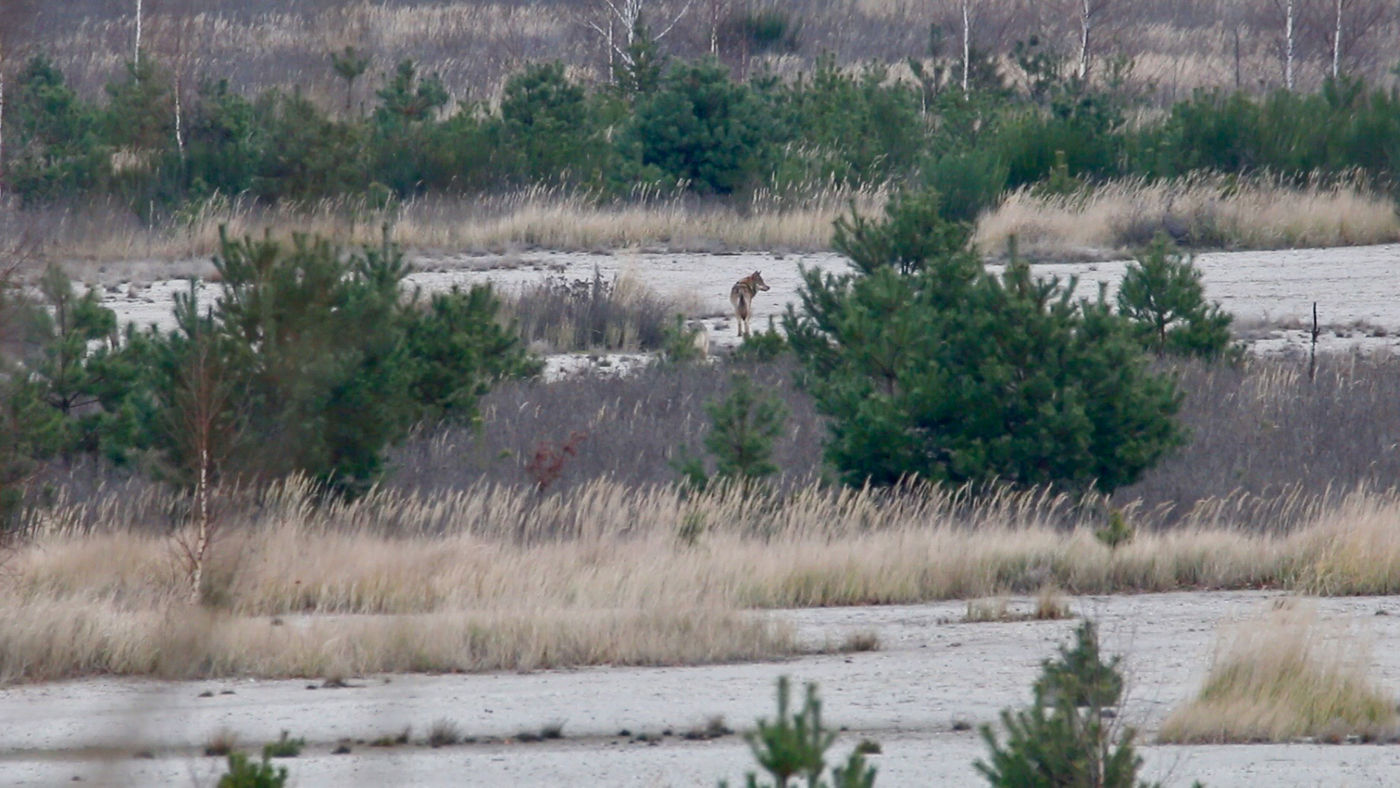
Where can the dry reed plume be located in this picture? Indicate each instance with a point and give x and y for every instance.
(1203, 210)
(1282, 678)
(499, 577)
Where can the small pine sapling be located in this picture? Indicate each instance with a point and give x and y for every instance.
(1116, 532)
(795, 744)
(1065, 737)
(744, 426)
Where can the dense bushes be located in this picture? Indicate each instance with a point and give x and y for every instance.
(309, 360)
(664, 126)
(929, 366)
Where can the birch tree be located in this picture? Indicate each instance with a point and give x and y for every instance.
(966, 14)
(1288, 11)
(136, 47)
(1341, 27)
(1095, 18)
(609, 16)
(200, 418)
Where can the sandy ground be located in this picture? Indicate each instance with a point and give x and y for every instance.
(931, 673)
(1357, 289)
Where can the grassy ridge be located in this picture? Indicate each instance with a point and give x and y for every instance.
(495, 579)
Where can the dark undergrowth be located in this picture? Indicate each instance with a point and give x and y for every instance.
(1267, 446)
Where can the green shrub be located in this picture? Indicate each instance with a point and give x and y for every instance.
(679, 343)
(457, 348)
(702, 129)
(308, 155)
(1116, 532)
(319, 364)
(403, 126)
(548, 128)
(851, 128)
(225, 142)
(284, 747)
(967, 183)
(243, 773)
(763, 347)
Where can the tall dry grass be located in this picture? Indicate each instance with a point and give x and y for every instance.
(1285, 677)
(1199, 210)
(502, 577)
(533, 218)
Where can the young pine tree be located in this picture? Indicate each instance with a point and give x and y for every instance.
(1066, 738)
(745, 424)
(928, 366)
(793, 747)
(1162, 294)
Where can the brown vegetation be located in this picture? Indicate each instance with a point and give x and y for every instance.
(495, 578)
(1201, 211)
(1284, 677)
(1176, 46)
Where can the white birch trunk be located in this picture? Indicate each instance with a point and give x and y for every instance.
(1288, 46)
(1086, 13)
(1337, 41)
(966, 41)
(201, 546)
(179, 126)
(136, 50)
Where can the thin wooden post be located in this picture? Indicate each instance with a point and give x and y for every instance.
(1312, 353)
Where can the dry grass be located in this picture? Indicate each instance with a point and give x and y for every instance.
(1048, 605)
(1282, 678)
(501, 578)
(535, 218)
(1201, 210)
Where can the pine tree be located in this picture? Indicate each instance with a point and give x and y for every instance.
(1066, 737)
(929, 366)
(349, 64)
(745, 424)
(1162, 293)
(794, 746)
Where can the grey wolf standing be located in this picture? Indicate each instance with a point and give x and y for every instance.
(741, 296)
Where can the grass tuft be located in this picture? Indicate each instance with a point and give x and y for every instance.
(1284, 678)
(221, 742)
(443, 733)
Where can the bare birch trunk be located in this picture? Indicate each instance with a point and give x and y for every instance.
(136, 53)
(966, 41)
(1288, 46)
(1337, 41)
(1086, 21)
(201, 494)
(179, 125)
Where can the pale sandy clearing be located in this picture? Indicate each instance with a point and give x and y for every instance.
(927, 675)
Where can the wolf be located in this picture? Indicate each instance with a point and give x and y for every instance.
(741, 296)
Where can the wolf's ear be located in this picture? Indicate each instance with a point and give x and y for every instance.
(755, 273)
